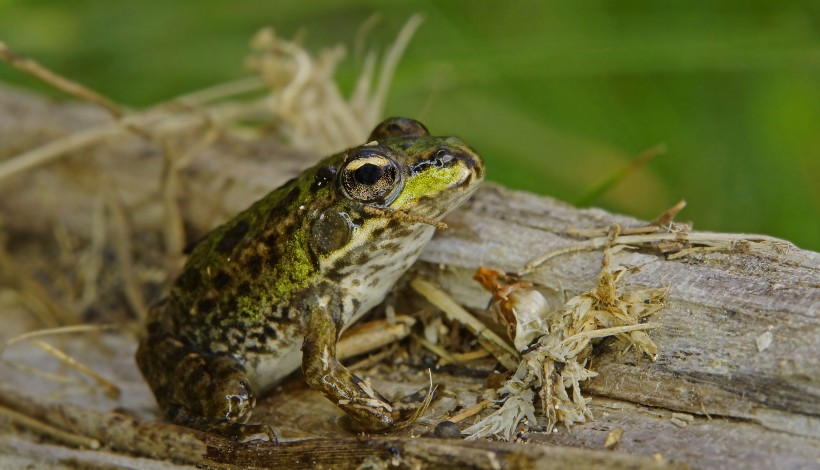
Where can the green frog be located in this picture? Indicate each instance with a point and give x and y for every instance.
(274, 287)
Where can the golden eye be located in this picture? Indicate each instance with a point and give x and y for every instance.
(370, 178)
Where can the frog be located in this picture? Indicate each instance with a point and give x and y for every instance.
(272, 289)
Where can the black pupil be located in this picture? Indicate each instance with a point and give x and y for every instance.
(368, 174)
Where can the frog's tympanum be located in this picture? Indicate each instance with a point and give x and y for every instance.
(275, 286)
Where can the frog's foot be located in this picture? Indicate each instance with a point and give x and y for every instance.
(207, 392)
(355, 396)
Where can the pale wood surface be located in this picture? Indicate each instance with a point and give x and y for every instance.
(750, 408)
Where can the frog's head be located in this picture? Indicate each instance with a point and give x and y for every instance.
(383, 199)
(403, 168)
(391, 188)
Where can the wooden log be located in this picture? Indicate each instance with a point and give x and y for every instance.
(738, 344)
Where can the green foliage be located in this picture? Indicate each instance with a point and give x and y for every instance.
(558, 96)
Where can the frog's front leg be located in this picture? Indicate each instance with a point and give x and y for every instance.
(324, 373)
(203, 391)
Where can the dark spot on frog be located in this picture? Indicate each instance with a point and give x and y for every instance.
(269, 331)
(342, 263)
(324, 177)
(335, 276)
(205, 305)
(378, 232)
(271, 238)
(280, 210)
(254, 265)
(376, 268)
(392, 247)
(258, 343)
(272, 259)
(244, 289)
(286, 313)
(355, 282)
(153, 328)
(229, 304)
(190, 279)
(403, 232)
(221, 280)
(361, 259)
(393, 224)
(232, 237)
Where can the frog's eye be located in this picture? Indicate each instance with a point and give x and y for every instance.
(398, 127)
(370, 178)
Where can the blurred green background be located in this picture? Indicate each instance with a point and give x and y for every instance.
(558, 96)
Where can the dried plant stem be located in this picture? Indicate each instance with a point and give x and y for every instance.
(54, 149)
(724, 240)
(32, 67)
(34, 296)
(121, 237)
(31, 335)
(669, 214)
(222, 90)
(391, 61)
(435, 349)
(90, 270)
(499, 348)
(40, 427)
(471, 411)
(470, 356)
(112, 390)
(405, 217)
(371, 359)
(603, 332)
(63, 330)
(373, 335)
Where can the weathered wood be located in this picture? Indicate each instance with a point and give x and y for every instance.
(718, 305)
(749, 407)
(165, 441)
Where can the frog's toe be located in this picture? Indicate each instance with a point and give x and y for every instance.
(238, 402)
(256, 432)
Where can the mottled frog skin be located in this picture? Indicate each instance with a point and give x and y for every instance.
(273, 288)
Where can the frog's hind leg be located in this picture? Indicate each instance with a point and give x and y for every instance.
(350, 393)
(207, 392)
